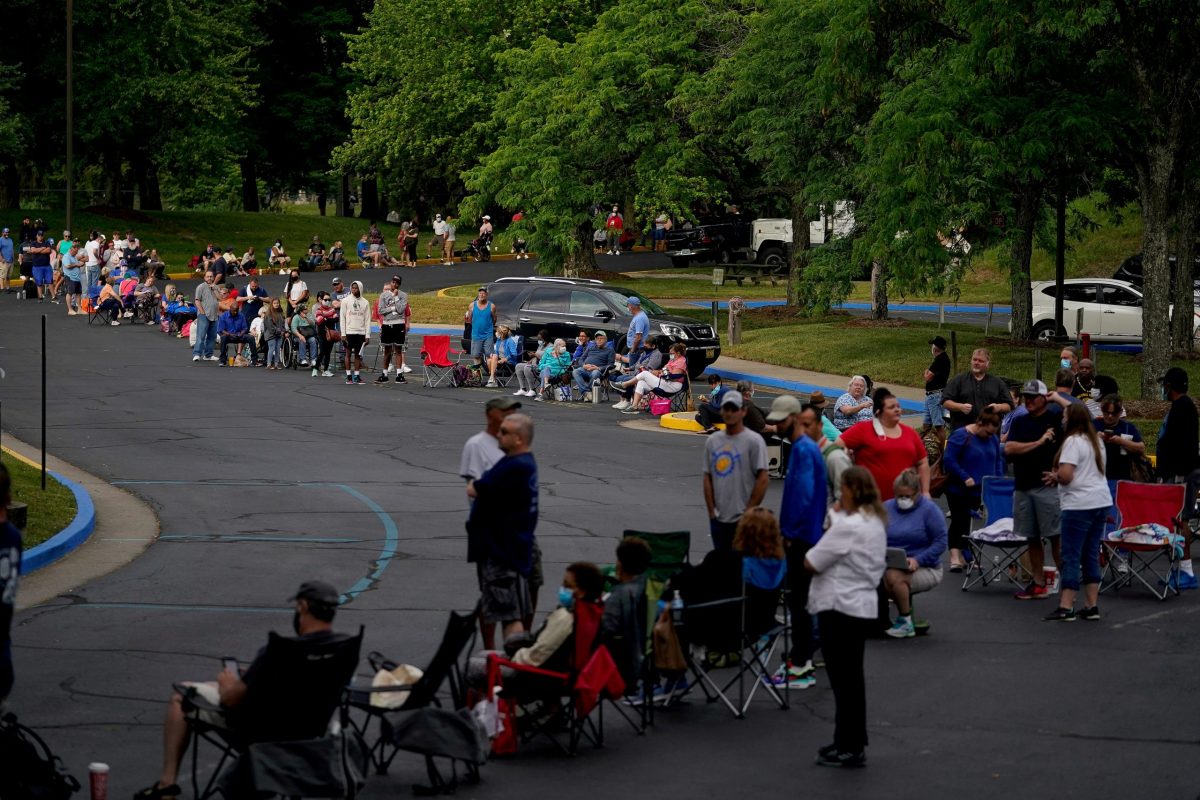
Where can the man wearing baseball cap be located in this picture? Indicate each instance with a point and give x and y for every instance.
(1177, 456)
(735, 472)
(315, 604)
(595, 359)
(6, 259)
(1031, 448)
(639, 326)
(936, 376)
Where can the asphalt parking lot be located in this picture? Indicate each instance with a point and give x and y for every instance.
(262, 480)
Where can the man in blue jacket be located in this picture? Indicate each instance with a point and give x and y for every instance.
(232, 327)
(801, 521)
(597, 356)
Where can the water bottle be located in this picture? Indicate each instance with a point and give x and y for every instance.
(677, 609)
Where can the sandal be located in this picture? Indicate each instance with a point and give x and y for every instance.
(957, 567)
(157, 792)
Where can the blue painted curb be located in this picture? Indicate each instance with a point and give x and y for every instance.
(69, 537)
(929, 307)
(796, 386)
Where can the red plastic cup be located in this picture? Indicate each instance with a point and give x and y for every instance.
(98, 775)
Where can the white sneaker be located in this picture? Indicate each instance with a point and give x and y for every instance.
(326, 374)
(530, 393)
(621, 406)
(195, 358)
(406, 368)
(114, 323)
(304, 362)
(315, 372)
(519, 393)
(211, 358)
(491, 384)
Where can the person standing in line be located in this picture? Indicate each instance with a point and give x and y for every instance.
(1121, 439)
(972, 453)
(801, 522)
(613, 226)
(836, 459)
(10, 570)
(936, 376)
(439, 237)
(482, 316)
(500, 531)
(1030, 449)
(356, 330)
(735, 472)
(1178, 460)
(1085, 501)
(847, 565)
(970, 392)
(206, 319)
(7, 254)
(393, 329)
(449, 231)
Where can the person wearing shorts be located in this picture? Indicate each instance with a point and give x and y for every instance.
(355, 313)
(449, 232)
(393, 328)
(40, 252)
(482, 316)
(1030, 448)
(6, 258)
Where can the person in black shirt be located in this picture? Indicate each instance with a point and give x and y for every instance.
(968, 393)
(1030, 448)
(936, 376)
(1121, 438)
(1089, 386)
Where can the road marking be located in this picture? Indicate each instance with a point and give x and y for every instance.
(1148, 617)
(265, 537)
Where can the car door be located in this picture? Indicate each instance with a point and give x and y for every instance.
(546, 307)
(1121, 313)
(589, 313)
(1077, 297)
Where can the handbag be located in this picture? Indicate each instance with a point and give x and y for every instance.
(668, 653)
(660, 406)
(332, 335)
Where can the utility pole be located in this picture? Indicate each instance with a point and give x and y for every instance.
(70, 113)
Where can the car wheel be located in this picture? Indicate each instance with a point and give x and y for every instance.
(771, 256)
(680, 261)
(1043, 332)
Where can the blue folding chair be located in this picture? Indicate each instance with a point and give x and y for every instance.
(996, 558)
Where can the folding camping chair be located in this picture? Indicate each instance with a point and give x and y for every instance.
(679, 397)
(438, 360)
(1136, 549)
(400, 730)
(747, 622)
(505, 372)
(294, 692)
(91, 305)
(997, 533)
(553, 701)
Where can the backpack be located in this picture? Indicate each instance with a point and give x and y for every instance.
(30, 289)
(31, 771)
(462, 376)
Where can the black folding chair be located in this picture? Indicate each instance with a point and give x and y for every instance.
(293, 693)
(447, 665)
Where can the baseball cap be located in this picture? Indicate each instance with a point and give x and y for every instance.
(336, 280)
(5, 230)
(1176, 376)
(633, 300)
(817, 398)
(317, 592)
(600, 333)
(485, 216)
(731, 399)
(783, 407)
(502, 403)
(939, 342)
(1033, 387)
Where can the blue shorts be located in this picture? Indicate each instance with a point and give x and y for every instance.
(43, 276)
(481, 347)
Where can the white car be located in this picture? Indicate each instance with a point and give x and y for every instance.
(1112, 309)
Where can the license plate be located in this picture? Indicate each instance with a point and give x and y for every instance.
(709, 352)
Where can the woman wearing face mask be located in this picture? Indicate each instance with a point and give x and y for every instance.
(972, 453)
(556, 362)
(327, 320)
(916, 525)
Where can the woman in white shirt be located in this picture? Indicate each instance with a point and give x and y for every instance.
(847, 565)
(1085, 501)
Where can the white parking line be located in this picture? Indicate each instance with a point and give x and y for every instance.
(1148, 617)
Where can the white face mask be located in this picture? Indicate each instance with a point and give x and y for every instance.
(905, 503)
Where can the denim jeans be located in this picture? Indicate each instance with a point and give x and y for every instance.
(308, 346)
(933, 410)
(206, 336)
(273, 352)
(584, 379)
(1081, 534)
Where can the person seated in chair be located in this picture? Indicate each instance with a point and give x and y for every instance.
(109, 301)
(249, 263)
(316, 604)
(232, 328)
(669, 380)
(504, 351)
(315, 256)
(623, 625)
(650, 359)
(337, 256)
(596, 357)
(555, 363)
(146, 295)
(709, 412)
(917, 525)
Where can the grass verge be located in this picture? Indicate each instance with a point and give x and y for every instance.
(49, 511)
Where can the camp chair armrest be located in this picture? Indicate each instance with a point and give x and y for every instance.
(192, 701)
(407, 687)
(725, 601)
(504, 662)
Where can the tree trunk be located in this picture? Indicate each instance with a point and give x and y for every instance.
(149, 194)
(1182, 332)
(879, 298)
(801, 252)
(579, 259)
(344, 197)
(1154, 186)
(322, 201)
(111, 171)
(10, 185)
(1028, 202)
(370, 197)
(249, 185)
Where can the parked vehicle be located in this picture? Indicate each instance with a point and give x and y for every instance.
(1111, 309)
(565, 306)
(718, 241)
(1131, 270)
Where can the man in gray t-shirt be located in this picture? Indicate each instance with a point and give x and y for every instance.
(206, 320)
(735, 472)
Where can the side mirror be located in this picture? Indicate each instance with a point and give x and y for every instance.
(604, 313)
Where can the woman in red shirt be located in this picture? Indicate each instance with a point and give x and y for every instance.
(886, 446)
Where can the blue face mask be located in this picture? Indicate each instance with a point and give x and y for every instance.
(566, 597)
(1065, 363)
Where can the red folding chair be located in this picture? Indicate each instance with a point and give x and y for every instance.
(438, 359)
(1135, 553)
(564, 701)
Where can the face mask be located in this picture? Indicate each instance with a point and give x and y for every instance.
(1065, 363)
(1164, 393)
(566, 597)
(905, 503)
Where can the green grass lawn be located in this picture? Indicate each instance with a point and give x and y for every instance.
(179, 235)
(49, 511)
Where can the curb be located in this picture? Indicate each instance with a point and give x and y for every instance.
(70, 537)
(798, 386)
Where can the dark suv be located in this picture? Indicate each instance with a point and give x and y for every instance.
(717, 241)
(1131, 270)
(565, 306)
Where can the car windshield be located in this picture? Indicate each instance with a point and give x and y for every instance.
(617, 296)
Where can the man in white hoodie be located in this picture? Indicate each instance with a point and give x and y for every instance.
(356, 329)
